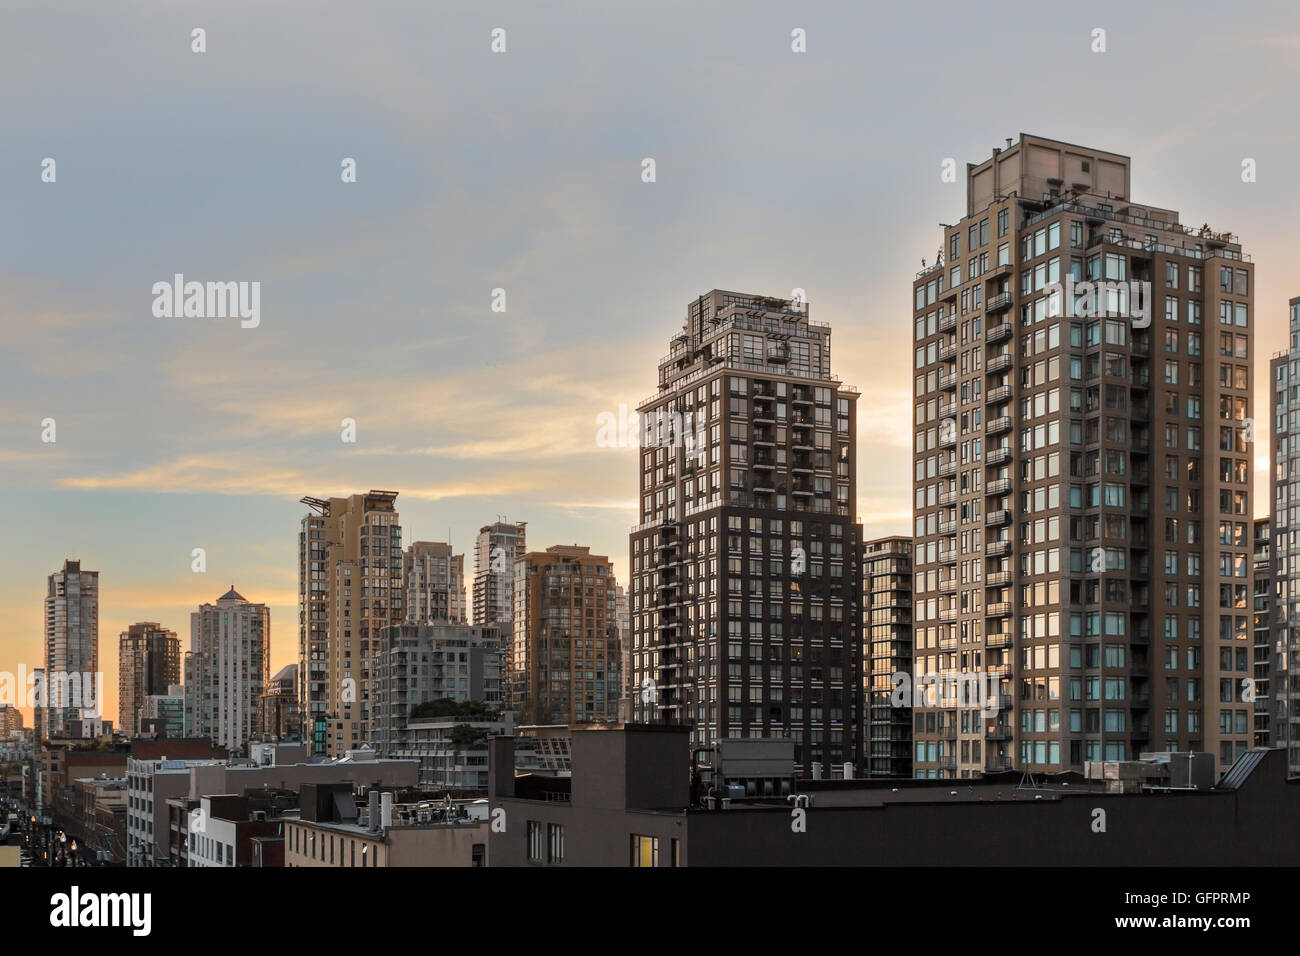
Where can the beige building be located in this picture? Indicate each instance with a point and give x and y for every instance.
(349, 589)
(307, 843)
(1082, 402)
(565, 659)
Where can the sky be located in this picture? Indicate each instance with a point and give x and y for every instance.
(522, 171)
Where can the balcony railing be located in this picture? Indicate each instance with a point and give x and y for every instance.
(998, 332)
(997, 304)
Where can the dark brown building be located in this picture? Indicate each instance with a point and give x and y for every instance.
(887, 652)
(627, 803)
(149, 662)
(745, 590)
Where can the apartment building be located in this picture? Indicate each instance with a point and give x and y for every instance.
(1262, 629)
(71, 677)
(565, 663)
(227, 669)
(887, 653)
(623, 618)
(149, 661)
(11, 720)
(1083, 508)
(1284, 493)
(452, 751)
(156, 773)
(349, 589)
(498, 546)
(426, 663)
(433, 582)
(746, 588)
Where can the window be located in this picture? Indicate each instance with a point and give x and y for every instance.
(554, 843)
(645, 851)
(534, 841)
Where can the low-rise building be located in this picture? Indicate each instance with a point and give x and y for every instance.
(631, 801)
(452, 752)
(165, 791)
(332, 831)
(221, 830)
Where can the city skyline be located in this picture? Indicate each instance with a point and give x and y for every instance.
(484, 414)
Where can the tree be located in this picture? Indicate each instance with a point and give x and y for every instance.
(471, 709)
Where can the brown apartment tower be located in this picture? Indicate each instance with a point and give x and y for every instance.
(746, 586)
(1083, 512)
(564, 657)
(149, 662)
(349, 589)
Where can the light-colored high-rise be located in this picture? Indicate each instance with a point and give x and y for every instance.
(433, 581)
(227, 670)
(349, 589)
(498, 546)
(1283, 691)
(1082, 403)
(72, 676)
(149, 662)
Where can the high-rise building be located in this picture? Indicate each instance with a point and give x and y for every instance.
(281, 718)
(349, 588)
(71, 674)
(424, 663)
(1082, 403)
(1262, 628)
(498, 546)
(1284, 493)
(886, 652)
(623, 618)
(11, 720)
(149, 661)
(564, 662)
(745, 582)
(227, 669)
(433, 581)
